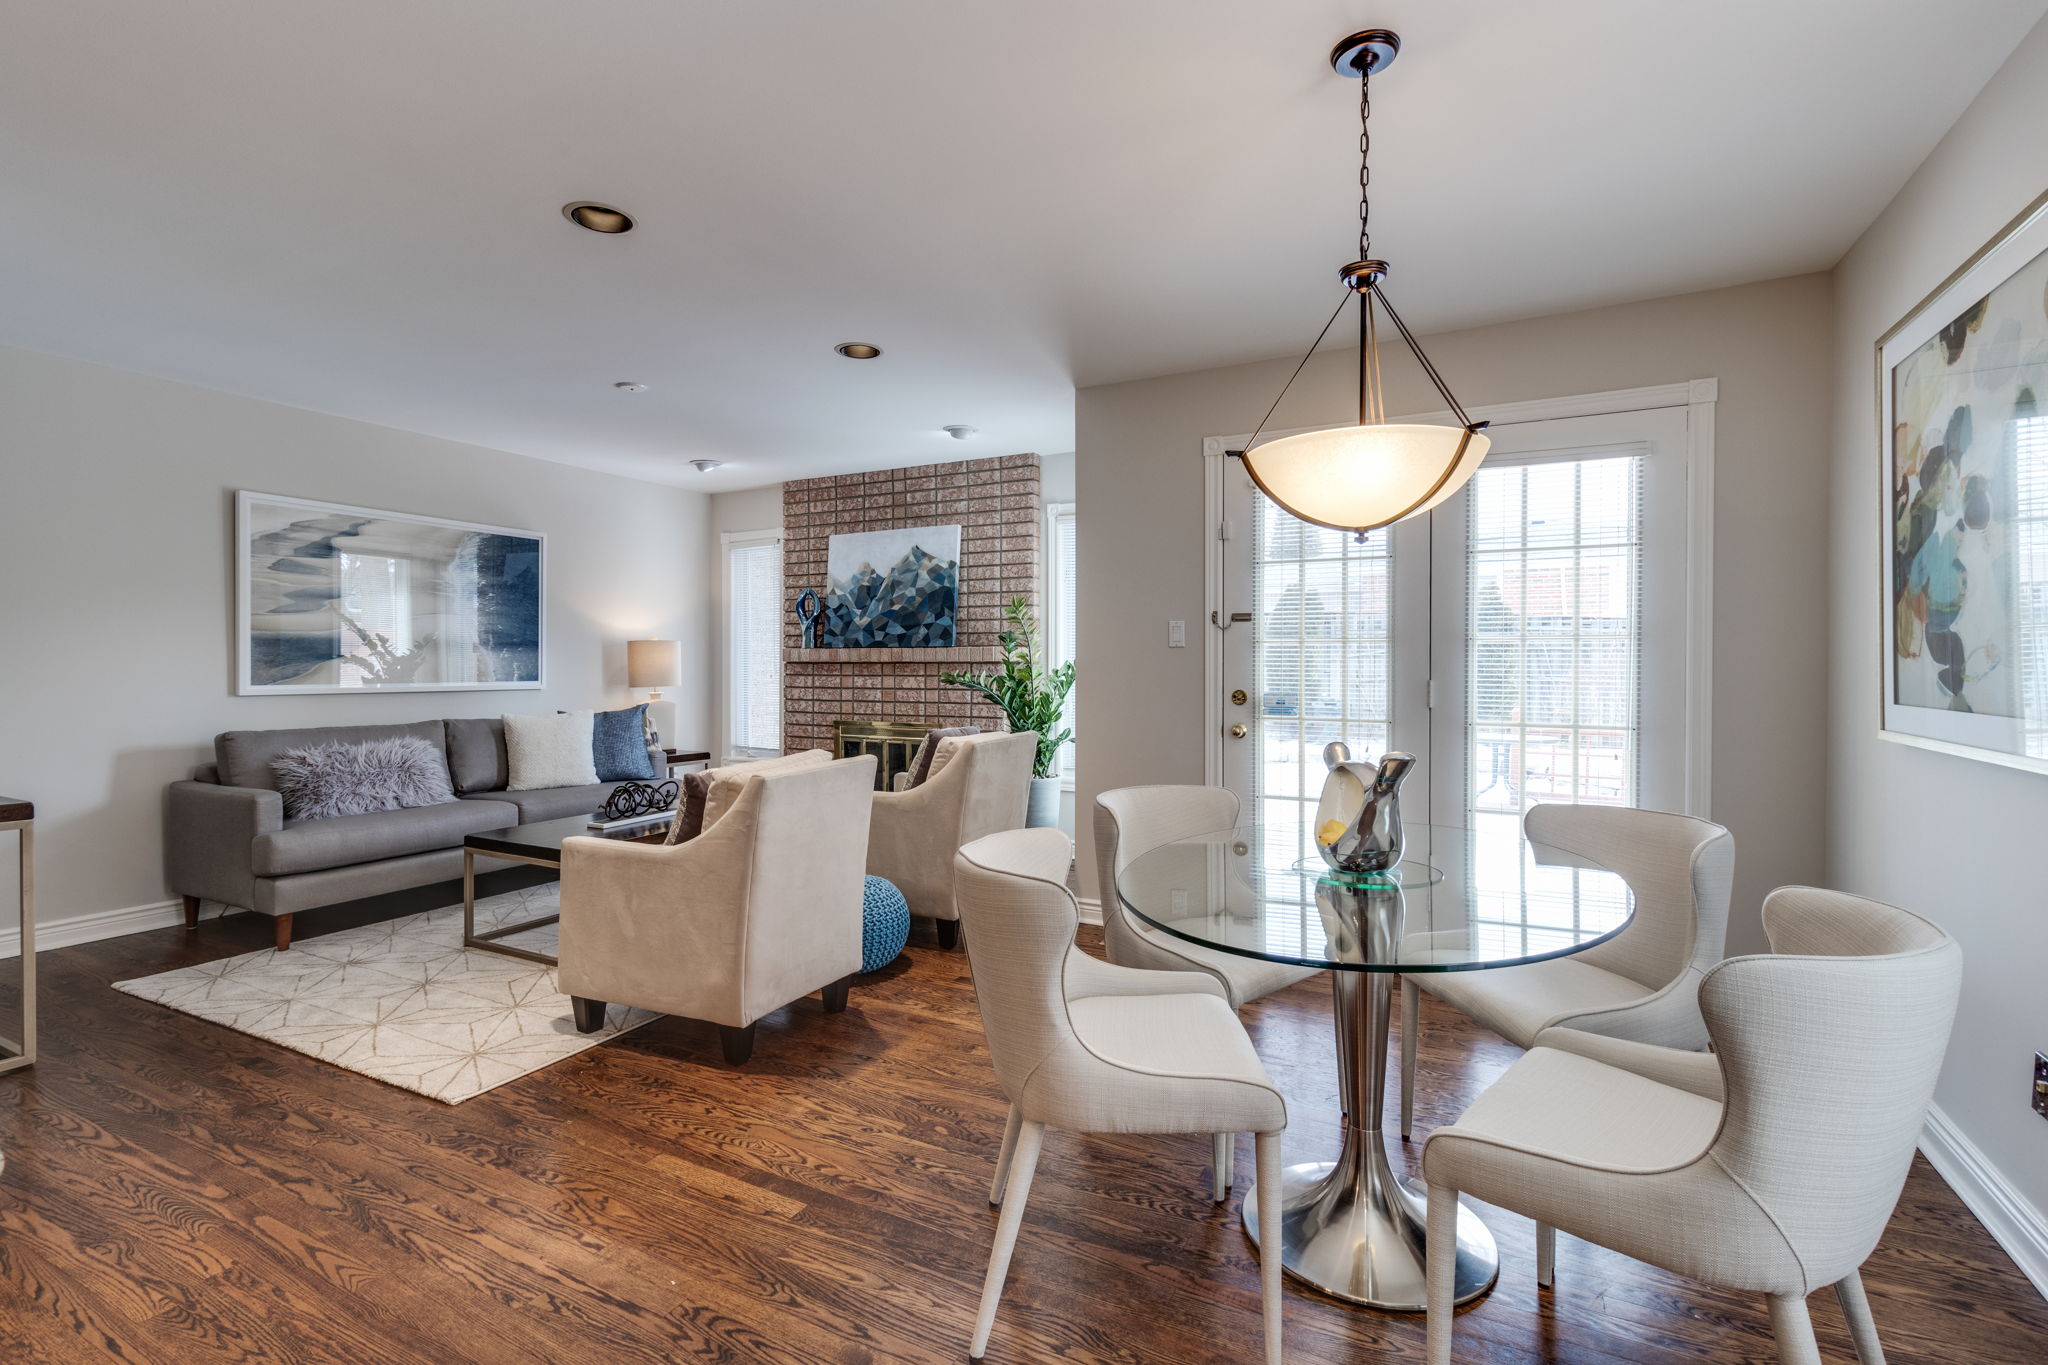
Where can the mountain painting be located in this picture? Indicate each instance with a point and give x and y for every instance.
(345, 599)
(897, 588)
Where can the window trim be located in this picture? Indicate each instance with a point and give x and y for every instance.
(728, 541)
(1049, 595)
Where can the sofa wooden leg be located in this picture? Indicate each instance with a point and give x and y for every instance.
(949, 933)
(737, 1042)
(589, 1014)
(835, 994)
(191, 907)
(284, 932)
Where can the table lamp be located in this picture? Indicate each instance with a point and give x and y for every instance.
(655, 664)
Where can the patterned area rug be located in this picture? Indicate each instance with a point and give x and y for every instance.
(402, 1002)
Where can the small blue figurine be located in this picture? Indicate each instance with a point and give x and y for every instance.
(807, 626)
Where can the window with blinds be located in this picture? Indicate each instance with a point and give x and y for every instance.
(1321, 626)
(1554, 566)
(1061, 603)
(2030, 585)
(754, 646)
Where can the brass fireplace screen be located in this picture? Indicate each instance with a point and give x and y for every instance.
(893, 743)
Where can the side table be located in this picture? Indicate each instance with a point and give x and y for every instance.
(19, 1050)
(686, 760)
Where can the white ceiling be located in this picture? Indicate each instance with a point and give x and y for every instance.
(353, 205)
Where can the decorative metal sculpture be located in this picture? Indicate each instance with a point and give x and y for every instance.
(629, 799)
(1358, 821)
(809, 628)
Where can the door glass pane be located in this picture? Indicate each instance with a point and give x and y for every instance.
(1321, 642)
(1554, 592)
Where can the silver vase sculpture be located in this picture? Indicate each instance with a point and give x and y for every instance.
(1358, 820)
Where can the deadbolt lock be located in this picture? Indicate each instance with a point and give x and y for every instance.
(1240, 730)
(1240, 697)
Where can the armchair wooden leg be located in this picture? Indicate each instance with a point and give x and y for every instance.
(589, 1013)
(1793, 1328)
(835, 994)
(1411, 1012)
(1267, 1181)
(1442, 1263)
(949, 933)
(1862, 1327)
(1010, 1127)
(191, 907)
(284, 932)
(1030, 1139)
(738, 1043)
(1546, 1255)
(1221, 1162)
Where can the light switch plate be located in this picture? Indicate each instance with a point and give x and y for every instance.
(1176, 635)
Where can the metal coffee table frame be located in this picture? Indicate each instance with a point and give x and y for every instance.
(504, 845)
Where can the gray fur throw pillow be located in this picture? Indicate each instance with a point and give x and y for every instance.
(325, 780)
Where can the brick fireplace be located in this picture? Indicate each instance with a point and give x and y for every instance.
(996, 504)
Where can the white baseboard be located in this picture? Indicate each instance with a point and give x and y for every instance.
(1091, 910)
(91, 928)
(2012, 1222)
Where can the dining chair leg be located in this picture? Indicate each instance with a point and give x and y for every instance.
(1411, 1011)
(1546, 1255)
(1270, 1197)
(1793, 1328)
(1010, 1126)
(1221, 1162)
(1862, 1327)
(1441, 1263)
(1030, 1137)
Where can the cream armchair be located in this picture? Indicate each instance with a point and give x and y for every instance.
(760, 909)
(979, 785)
(1827, 1050)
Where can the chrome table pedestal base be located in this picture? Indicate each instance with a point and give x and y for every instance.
(1350, 1227)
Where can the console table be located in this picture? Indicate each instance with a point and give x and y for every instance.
(19, 1049)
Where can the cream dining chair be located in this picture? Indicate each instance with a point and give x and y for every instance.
(1771, 1164)
(1134, 820)
(1090, 1047)
(1642, 984)
(979, 784)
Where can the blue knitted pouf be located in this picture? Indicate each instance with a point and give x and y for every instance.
(885, 924)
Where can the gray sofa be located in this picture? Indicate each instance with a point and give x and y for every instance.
(226, 837)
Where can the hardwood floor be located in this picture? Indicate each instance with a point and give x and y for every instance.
(175, 1191)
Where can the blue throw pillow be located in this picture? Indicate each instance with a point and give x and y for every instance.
(618, 745)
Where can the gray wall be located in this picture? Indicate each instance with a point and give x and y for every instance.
(116, 569)
(1139, 467)
(1952, 838)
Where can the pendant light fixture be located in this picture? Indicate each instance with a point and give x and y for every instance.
(1363, 477)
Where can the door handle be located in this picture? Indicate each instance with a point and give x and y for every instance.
(1240, 730)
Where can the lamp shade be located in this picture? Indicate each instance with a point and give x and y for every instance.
(1361, 478)
(654, 663)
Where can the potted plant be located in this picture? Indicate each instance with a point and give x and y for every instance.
(1030, 699)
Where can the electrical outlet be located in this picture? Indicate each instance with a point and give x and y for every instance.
(2041, 1084)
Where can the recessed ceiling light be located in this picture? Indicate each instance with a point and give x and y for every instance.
(628, 386)
(960, 433)
(858, 350)
(706, 466)
(597, 217)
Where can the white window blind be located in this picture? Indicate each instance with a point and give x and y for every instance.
(754, 646)
(1062, 600)
(1554, 568)
(2030, 588)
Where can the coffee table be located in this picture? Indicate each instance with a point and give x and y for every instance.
(539, 844)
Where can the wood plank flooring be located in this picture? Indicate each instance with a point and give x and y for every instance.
(175, 1192)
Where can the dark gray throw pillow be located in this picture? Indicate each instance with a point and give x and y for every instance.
(689, 821)
(321, 781)
(618, 745)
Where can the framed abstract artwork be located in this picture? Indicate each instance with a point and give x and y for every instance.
(348, 599)
(1963, 399)
(897, 588)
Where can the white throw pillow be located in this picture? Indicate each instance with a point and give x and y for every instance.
(549, 751)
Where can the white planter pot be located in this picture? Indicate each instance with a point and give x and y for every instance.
(1044, 810)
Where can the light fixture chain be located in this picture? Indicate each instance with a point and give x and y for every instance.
(1364, 164)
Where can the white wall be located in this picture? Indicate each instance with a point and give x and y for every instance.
(1958, 840)
(116, 569)
(1142, 532)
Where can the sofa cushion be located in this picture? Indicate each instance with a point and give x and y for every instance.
(344, 840)
(551, 803)
(549, 751)
(245, 756)
(476, 755)
(618, 743)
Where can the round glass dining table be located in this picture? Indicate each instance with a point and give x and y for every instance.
(1461, 900)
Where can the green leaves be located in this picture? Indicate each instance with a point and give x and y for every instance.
(1028, 698)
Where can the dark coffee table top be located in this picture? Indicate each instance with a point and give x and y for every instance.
(542, 840)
